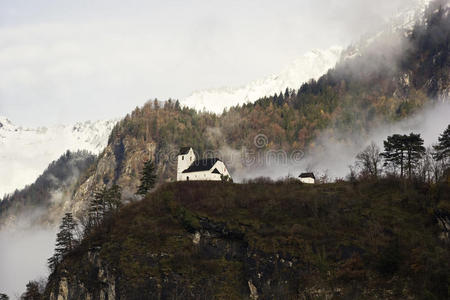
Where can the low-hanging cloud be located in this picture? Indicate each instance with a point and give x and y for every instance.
(27, 235)
(58, 59)
(335, 152)
(24, 251)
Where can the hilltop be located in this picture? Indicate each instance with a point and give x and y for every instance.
(266, 240)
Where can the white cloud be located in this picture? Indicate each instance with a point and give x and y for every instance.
(24, 254)
(64, 62)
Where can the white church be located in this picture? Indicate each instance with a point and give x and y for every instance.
(189, 168)
(307, 178)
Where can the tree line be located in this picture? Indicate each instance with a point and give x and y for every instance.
(405, 156)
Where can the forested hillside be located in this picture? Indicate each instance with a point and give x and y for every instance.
(49, 191)
(393, 77)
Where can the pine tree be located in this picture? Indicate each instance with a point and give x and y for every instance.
(65, 241)
(64, 238)
(113, 198)
(148, 178)
(394, 151)
(414, 150)
(32, 292)
(403, 151)
(177, 105)
(53, 261)
(104, 202)
(4, 297)
(286, 94)
(97, 206)
(442, 149)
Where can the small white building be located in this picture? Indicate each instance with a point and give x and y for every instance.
(307, 178)
(189, 168)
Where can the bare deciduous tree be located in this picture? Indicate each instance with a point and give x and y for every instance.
(369, 161)
(429, 169)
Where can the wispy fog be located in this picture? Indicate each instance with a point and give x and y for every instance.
(334, 153)
(23, 256)
(27, 237)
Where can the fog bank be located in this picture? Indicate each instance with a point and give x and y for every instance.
(24, 252)
(334, 153)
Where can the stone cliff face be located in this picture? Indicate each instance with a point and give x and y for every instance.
(267, 276)
(120, 163)
(67, 286)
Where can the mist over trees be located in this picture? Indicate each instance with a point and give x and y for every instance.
(60, 175)
(405, 155)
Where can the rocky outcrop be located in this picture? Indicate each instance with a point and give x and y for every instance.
(120, 163)
(268, 276)
(98, 283)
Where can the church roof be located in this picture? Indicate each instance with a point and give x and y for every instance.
(307, 175)
(202, 165)
(184, 150)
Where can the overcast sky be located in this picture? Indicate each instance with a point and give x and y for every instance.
(66, 61)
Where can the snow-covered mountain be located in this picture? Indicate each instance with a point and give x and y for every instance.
(407, 18)
(26, 152)
(311, 65)
(391, 33)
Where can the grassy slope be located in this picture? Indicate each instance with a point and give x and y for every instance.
(369, 236)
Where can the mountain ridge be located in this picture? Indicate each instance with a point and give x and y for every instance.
(311, 65)
(30, 150)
